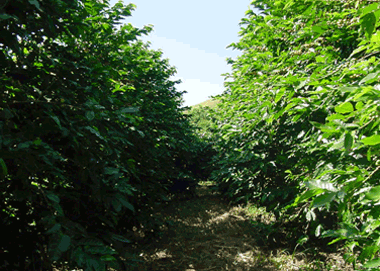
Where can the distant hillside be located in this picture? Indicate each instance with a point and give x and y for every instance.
(210, 103)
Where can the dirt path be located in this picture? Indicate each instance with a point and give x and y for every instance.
(204, 233)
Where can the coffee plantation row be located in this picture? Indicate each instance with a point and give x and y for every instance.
(93, 135)
(297, 128)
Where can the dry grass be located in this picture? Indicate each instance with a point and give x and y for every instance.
(205, 233)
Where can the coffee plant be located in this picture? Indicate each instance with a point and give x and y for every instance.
(92, 134)
(298, 124)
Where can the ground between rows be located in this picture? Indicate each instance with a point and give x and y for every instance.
(205, 233)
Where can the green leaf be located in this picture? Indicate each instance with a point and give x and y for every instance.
(108, 258)
(37, 142)
(279, 95)
(55, 118)
(24, 145)
(4, 166)
(348, 142)
(359, 105)
(343, 108)
(369, 154)
(116, 205)
(90, 115)
(54, 229)
(6, 16)
(368, 23)
(95, 132)
(130, 110)
(369, 9)
(35, 3)
(308, 194)
(64, 243)
(111, 170)
(322, 200)
(120, 238)
(373, 194)
(125, 203)
(319, 184)
(369, 78)
(318, 230)
(310, 215)
(302, 240)
(318, 29)
(371, 140)
(53, 197)
(102, 250)
(373, 263)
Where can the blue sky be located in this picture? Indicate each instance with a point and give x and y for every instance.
(193, 35)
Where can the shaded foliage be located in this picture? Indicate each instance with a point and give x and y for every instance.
(92, 133)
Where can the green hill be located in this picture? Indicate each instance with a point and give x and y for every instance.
(210, 103)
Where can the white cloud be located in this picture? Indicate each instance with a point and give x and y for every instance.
(199, 71)
(198, 91)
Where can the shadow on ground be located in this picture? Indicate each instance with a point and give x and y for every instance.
(204, 233)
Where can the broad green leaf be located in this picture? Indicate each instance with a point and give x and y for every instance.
(373, 263)
(359, 105)
(6, 16)
(24, 145)
(373, 194)
(368, 252)
(369, 9)
(53, 197)
(320, 59)
(370, 78)
(64, 243)
(319, 184)
(368, 23)
(35, 3)
(37, 142)
(54, 229)
(376, 39)
(371, 140)
(126, 204)
(358, 50)
(90, 115)
(324, 199)
(111, 171)
(308, 194)
(56, 119)
(95, 132)
(336, 117)
(318, 29)
(343, 108)
(346, 232)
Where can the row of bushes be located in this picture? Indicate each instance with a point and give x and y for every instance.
(297, 128)
(92, 134)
